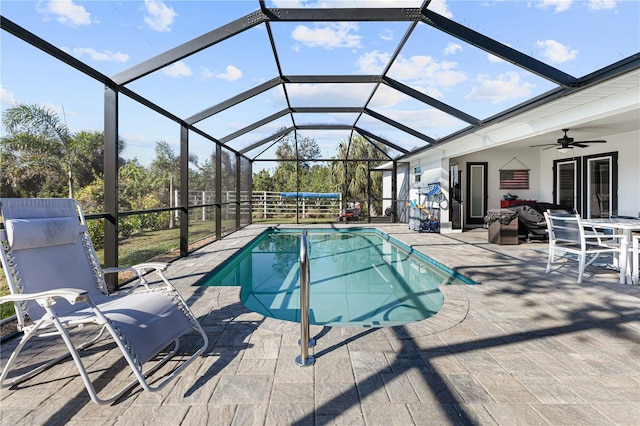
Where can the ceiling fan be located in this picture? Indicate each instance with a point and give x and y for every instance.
(566, 143)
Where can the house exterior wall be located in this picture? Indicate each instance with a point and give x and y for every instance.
(628, 147)
(540, 165)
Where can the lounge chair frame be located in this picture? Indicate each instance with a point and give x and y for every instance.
(91, 306)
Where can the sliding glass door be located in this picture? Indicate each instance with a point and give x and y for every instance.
(587, 184)
(601, 185)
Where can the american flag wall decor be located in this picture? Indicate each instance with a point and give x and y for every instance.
(514, 179)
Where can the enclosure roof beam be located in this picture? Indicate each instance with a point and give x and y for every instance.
(498, 49)
(377, 147)
(380, 139)
(32, 39)
(347, 78)
(228, 103)
(255, 125)
(409, 91)
(343, 14)
(267, 139)
(189, 48)
(305, 110)
(399, 126)
(324, 127)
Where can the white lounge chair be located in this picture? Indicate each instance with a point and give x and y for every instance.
(568, 235)
(57, 284)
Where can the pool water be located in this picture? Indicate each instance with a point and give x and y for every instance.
(358, 277)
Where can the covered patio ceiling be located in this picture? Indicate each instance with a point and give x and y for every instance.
(428, 75)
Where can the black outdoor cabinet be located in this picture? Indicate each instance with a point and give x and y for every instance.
(503, 226)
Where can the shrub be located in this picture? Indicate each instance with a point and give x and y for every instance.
(96, 232)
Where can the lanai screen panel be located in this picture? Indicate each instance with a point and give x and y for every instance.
(417, 115)
(212, 75)
(333, 48)
(244, 113)
(329, 94)
(245, 141)
(567, 35)
(463, 76)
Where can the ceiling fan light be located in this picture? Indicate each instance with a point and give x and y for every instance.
(564, 150)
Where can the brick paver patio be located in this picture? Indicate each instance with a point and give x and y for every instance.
(522, 347)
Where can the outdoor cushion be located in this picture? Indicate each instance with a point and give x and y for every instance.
(36, 233)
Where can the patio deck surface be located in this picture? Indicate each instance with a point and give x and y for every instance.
(522, 347)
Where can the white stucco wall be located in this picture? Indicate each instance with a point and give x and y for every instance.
(540, 163)
(628, 147)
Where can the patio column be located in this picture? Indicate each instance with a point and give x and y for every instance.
(111, 184)
(184, 191)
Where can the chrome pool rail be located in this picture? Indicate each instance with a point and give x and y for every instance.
(305, 342)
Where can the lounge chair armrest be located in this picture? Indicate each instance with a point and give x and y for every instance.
(140, 268)
(73, 295)
(143, 267)
(114, 270)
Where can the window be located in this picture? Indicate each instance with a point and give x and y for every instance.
(417, 173)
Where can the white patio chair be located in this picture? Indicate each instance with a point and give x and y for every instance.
(568, 235)
(57, 284)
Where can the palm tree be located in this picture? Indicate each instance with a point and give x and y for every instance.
(356, 176)
(41, 143)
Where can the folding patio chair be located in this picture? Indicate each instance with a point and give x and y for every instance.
(568, 235)
(56, 284)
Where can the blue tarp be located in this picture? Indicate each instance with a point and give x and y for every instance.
(310, 194)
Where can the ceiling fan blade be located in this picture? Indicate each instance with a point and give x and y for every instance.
(549, 147)
(579, 145)
(544, 144)
(600, 141)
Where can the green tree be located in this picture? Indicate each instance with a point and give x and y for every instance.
(356, 177)
(262, 181)
(42, 147)
(287, 174)
(165, 172)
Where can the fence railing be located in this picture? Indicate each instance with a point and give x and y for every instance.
(268, 205)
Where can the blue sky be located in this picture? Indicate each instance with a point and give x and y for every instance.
(577, 37)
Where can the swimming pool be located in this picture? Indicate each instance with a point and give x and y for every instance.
(358, 277)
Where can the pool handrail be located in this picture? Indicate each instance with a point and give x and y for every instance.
(304, 359)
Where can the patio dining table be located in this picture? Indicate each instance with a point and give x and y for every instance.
(620, 225)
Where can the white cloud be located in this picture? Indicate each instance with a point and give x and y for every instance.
(387, 35)
(421, 72)
(105, 56)
(494, 59)
(176, 70)
(6, 97)
(159, 16)
(440, 7)
(422, 119)
(232, 74)
(206, 73)
(602, 4)
(66, 12)
(373, 62)
(425, 70)
(452, 48)
(506, 86)
(328, 36)
(326, 94)
(558, 5)
(555, 52)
